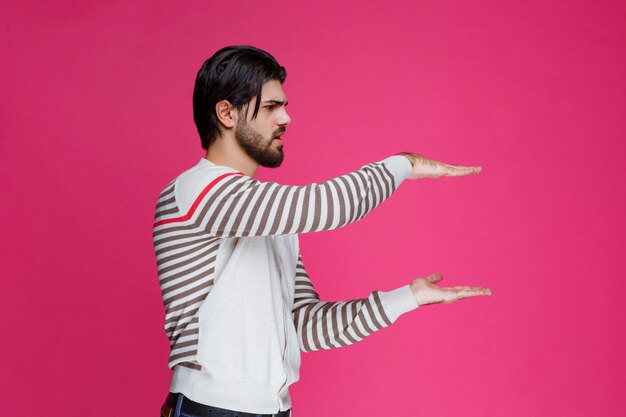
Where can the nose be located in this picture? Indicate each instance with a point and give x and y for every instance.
(284, 119)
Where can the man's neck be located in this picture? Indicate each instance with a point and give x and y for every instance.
(222, 153)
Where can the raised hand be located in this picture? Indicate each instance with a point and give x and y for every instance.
(426, 292)
(424, 167)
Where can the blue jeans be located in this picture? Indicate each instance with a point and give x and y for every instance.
(173, 407)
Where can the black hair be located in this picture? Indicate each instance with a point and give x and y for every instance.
(235, 73)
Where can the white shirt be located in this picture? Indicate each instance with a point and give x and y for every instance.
(239, 304)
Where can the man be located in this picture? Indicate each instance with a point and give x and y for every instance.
(239, 303)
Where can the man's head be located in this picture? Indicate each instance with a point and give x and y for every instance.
(234, 79)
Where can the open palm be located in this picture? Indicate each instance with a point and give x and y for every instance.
(425, 167)
(426, 292)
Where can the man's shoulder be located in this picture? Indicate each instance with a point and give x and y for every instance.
(199, 179)
(190, 186)
(202, 175)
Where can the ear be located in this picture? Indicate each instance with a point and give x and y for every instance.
(226, 113)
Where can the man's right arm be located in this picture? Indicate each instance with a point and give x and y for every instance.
(234, 205)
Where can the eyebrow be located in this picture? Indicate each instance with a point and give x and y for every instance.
(276, 102)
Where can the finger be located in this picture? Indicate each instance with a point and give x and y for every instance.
(456, 170)
(473, 292)
(461, 287)
(436, 277)
(481, 290)
(470, 288)
(450, 295)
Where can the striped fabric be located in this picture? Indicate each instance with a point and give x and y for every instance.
(192, 220)
(327, 325)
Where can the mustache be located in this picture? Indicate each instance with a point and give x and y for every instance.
(279, 132)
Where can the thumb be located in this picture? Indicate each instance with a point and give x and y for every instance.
(436, 277)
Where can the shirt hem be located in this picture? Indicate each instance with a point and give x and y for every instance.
(241, 396)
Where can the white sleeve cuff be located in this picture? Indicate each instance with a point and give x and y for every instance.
(397, 302)
(400, 167)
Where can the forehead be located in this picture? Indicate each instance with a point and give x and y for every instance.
(273, 90)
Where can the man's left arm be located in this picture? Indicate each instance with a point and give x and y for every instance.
(333, 324)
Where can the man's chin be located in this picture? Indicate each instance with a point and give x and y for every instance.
(273, 163)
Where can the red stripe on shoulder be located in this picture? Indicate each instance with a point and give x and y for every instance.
(196, 203)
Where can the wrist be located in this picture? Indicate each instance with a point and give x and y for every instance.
(414, 291)
(408, 156)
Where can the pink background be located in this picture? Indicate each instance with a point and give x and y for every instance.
(96, 118)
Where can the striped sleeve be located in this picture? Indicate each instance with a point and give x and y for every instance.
(235, 205)
(333, 324)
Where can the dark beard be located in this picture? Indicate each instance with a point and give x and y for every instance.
(255, 145)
